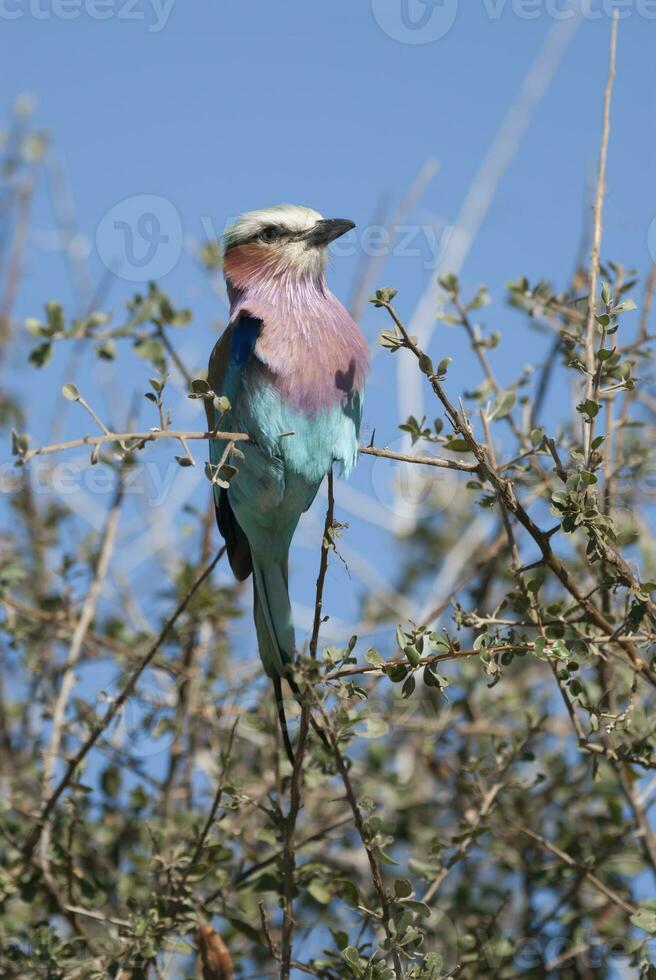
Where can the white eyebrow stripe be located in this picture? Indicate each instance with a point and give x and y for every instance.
(290, 217)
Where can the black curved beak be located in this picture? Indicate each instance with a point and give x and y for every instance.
(327, 230)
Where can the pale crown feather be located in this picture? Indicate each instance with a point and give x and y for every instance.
(291, 217)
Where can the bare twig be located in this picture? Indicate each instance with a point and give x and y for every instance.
(115, 707)
(481, 193)
(289, 849)
(74, 652)
(326, 545)
(216, 802)
(591, 323)
(134, 440)
(372, 857)
(610, 894)
(447, 464)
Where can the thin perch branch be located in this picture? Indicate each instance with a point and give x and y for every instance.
(591, 325)
(446, 464)
(131, 437)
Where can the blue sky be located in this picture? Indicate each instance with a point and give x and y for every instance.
(219, 108)
(234, 105)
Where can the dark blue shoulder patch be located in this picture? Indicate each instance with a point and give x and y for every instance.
(245, 332)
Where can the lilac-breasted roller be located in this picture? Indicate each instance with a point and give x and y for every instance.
(291, 360)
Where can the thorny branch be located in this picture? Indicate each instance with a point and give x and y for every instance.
(114, 708)
(505, 490)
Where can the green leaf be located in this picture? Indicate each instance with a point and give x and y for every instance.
(559, 649)
(55, 315)
(98, 319)
(319, 891)
(396, 673)
(383, 296)
(151, 350)
(386, 859)
(401, 637)
(340, 937)
(110, 780)
(20, 443)
(503, 404)
(373, 657)
(449, 283)
(408, 688)
(645, 919)
(106, 350)
(70, 392)
(374, 727)
(589, 408)
(412, 654)
(352, 957)
(482, 298)
(402, 888)
(451, 319)
(40, 355)
(36, 328)
(425, 364)
(433, 679)
(624, 307)
(439, 643)
(457, 445)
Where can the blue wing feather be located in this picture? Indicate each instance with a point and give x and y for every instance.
(277, 478)
(229, 356)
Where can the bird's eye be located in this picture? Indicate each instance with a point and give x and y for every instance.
(269, 234)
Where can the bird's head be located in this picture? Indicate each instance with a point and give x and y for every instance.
(286, 240)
